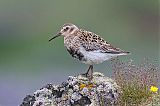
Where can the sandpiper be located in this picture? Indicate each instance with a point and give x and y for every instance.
(87, 46)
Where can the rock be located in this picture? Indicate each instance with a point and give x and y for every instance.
(77, 91)
(28, 101)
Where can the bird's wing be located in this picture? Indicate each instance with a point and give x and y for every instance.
(93, 42)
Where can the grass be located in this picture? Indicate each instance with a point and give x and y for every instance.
(135, 82)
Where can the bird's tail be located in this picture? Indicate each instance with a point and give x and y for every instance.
(125, 53)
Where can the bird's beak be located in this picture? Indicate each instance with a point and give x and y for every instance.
(58, 34)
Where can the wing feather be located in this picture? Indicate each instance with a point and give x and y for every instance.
(92, 42)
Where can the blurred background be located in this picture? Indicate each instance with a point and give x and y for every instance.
(28, 61)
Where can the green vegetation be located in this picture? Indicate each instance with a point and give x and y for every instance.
(136, 82)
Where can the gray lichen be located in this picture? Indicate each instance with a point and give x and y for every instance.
(77, 91)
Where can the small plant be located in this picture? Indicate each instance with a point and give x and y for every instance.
(138, 83)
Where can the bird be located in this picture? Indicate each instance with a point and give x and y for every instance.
(87, 47)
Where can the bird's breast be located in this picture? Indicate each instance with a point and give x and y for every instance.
(75, 53)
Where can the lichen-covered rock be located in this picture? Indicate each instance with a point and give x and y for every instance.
(77, 91)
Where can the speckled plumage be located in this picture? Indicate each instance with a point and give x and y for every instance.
(83, 42)
(86, 46)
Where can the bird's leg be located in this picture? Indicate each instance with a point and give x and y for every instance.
(89, 73)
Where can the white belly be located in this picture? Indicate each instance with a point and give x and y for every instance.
(96, 57)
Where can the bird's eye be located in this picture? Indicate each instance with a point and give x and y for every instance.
(66, 28)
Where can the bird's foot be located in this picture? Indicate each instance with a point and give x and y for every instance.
(87, 75)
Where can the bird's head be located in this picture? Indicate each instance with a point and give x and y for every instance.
(67, 29)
